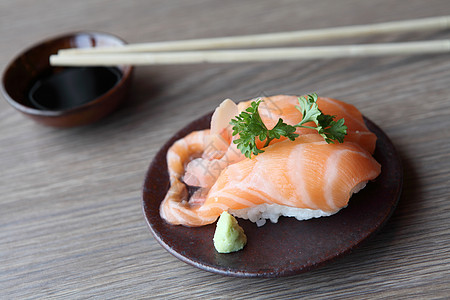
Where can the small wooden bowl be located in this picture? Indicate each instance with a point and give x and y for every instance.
(28, 66)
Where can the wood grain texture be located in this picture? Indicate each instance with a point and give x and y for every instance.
(71, 224)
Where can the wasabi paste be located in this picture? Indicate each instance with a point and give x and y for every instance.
(229, 236)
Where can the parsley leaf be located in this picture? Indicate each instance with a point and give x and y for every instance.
(332, 130)
(326, 126)
(249, 126)
(309, 109)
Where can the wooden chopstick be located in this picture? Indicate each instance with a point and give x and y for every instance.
(272, 39)
(251, 55)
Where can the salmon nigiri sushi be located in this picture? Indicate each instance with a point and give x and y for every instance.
(304, 178)
(220, 151)
(284, 107)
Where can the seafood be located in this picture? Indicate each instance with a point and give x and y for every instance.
(304, 178)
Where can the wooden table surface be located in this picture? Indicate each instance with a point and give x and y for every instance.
(71, 222)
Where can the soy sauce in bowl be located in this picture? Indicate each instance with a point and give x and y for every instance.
(69, 96)
(72, 87)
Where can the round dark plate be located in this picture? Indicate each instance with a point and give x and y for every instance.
(288, 247)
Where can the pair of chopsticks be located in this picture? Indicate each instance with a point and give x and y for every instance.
(199, 50)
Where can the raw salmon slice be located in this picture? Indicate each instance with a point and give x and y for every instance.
(301, 175)
(220, 151)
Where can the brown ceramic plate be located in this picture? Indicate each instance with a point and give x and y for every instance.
(288, 247)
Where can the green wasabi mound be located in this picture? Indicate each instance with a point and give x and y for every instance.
(229, 236)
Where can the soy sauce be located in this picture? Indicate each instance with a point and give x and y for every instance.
(72, 87)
